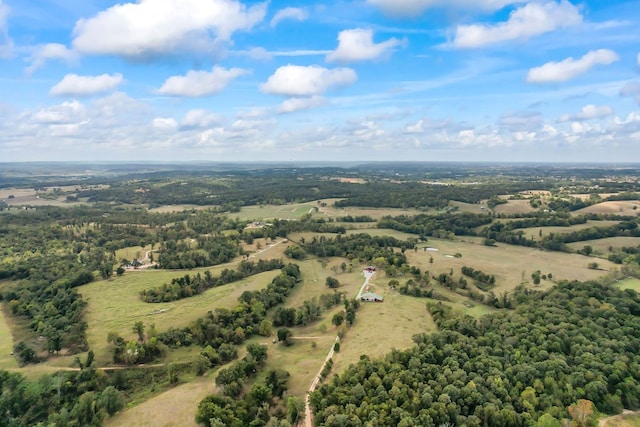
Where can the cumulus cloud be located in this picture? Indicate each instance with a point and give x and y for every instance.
(43, 53)
(530, 20)
(75, 85)
(411, 8)
(165, 123)
(570, 68)
(417, 127)
(200, 83)
(298, 80)
(357, 45)
(588, 112)
(296, 104)
(6, 43)
(294, 13)
(151, 28)
(198, 118)
(67, 112)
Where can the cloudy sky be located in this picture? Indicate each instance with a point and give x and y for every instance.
(507, 80)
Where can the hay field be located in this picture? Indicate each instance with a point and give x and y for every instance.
(179, 208)
(515, 207)
(381, 327)
(623, 208)
(534, 232)
(265, 212)
(510, 264)
(601, 246)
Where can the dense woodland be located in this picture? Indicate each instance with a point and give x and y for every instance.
(577, 341)
(535, 363)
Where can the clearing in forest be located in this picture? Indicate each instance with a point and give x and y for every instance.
(623, 207)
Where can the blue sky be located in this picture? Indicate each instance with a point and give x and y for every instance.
(421, 80)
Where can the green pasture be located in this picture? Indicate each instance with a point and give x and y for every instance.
(629, 283)
(115, 305)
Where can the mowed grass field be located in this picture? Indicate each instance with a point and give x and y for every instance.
(534, 232)
(601, 246)
(510, 264)
(381, 327)
(330, 211)
(265, 212)
(624, 207)
(515, 207)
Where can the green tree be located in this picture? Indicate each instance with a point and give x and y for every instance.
(138, 328)
(284, 336)
(112, 400)
(332, 282)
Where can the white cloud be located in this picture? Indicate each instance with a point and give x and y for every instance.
(294, 13)
(41, 54)
(75, 85)
(297, 80)
(6, 43)
(165, 123)
(296, 104)
(357, 45)
(198, 118)
(555, 72)
(67, 112)
(525, 22)
(521, 121)
(200, 83)
(150, 28)
(638, 59)
(415, 128)
(588, 112)
(411, 8)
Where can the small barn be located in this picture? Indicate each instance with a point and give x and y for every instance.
(371, 297)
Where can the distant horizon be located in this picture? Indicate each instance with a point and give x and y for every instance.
(325, 80)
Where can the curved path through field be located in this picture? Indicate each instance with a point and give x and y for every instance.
(308, 416)
(604, 422)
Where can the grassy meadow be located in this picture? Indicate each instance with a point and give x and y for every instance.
(510, 264)
(629, 283)
(7, 361)
(623, 208)
(115, 305)
(264, 212)
(601, 246)
(534, 232)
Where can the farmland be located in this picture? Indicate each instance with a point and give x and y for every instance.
(196, 222)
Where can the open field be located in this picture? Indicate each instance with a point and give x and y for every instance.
(7, 361)
(510, 264)
(628, 419)
(601, 246)
(629, 283)
(381, 327)
(179, 208)
(468, 207)
(132, 252)
(175, 407)
(515, 207)
(115, 305)
(264, 212)
(624, 207)
(376, 213)
(534, 232)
